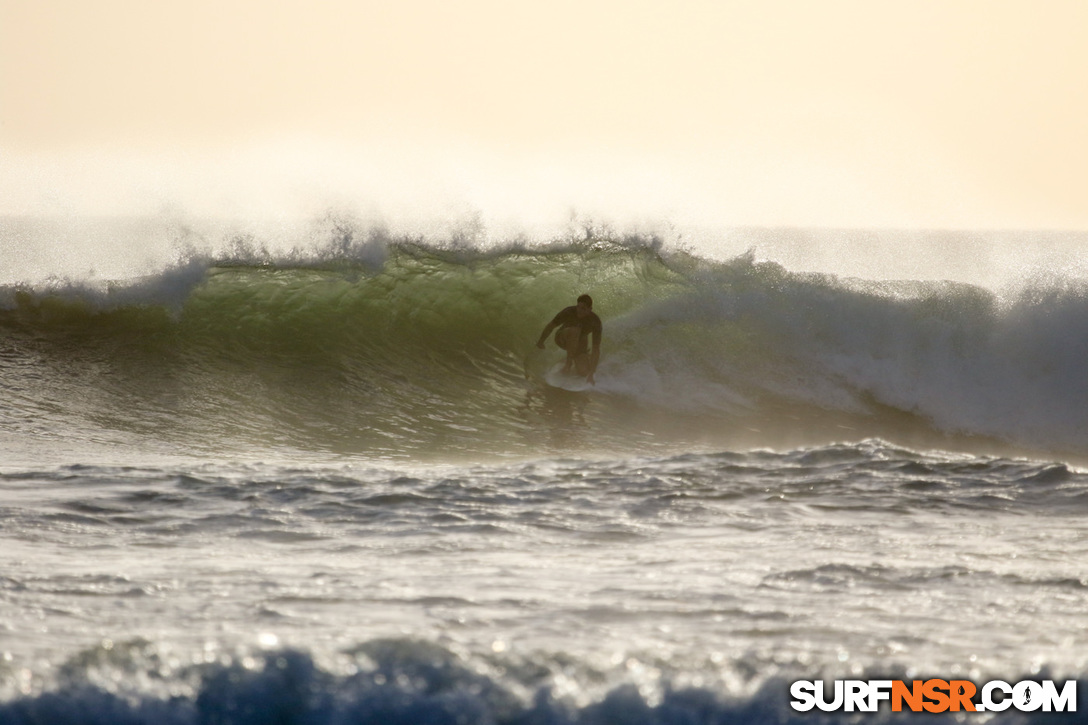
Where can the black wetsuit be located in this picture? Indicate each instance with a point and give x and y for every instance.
(589, 325)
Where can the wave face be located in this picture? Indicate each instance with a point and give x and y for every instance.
(409, 349)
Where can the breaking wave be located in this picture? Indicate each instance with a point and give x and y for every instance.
(408, 348)
(414, 683)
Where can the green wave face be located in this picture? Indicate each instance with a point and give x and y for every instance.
(430, 354)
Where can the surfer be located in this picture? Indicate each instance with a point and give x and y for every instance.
(576, 324)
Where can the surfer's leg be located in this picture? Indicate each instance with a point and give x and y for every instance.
(577, 354)
(567, 338)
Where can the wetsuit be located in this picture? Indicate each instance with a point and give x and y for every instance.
(590, 325)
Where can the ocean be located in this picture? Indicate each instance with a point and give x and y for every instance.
(323, 482)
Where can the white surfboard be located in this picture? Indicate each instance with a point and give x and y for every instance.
(574, 383)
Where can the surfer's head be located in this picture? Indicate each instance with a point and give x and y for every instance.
(585, 305)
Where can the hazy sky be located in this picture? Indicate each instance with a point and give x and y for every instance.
(841, 112)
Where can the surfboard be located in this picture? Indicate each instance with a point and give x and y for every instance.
(573, 383)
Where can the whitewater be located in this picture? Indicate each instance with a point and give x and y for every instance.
(244, 480)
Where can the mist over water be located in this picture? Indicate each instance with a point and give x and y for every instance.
(36, 248)
(114, 213)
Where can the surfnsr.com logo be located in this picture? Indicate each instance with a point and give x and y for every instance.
(934, 696)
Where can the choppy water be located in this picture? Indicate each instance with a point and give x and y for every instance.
(332, 488)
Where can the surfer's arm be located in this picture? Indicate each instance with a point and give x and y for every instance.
(594, 356)
(547, 331)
